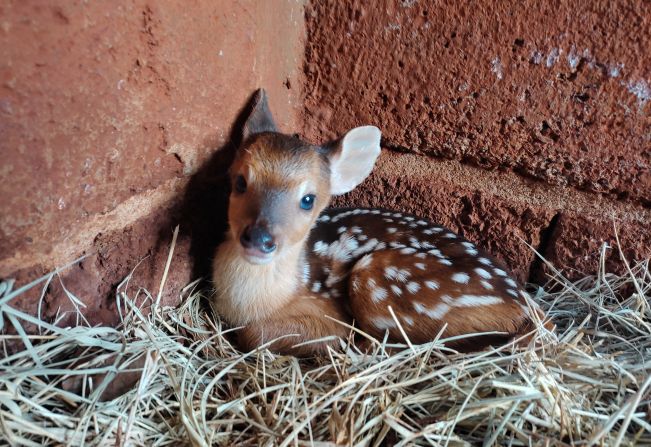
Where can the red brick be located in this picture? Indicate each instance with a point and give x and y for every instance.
(559, 91)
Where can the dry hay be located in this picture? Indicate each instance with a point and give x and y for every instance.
(587, 384)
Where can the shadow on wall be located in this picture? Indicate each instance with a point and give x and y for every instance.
(201, 214)
(203, 210)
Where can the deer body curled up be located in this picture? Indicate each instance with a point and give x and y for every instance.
(289, 269)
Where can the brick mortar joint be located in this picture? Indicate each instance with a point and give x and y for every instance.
(556, 199)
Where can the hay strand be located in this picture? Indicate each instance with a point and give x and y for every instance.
(587, 384)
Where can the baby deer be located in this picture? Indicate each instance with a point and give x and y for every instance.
(287, 264)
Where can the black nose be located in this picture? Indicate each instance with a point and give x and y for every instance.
(255, 236)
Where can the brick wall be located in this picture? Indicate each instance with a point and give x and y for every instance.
(509, 123)
(115, 120)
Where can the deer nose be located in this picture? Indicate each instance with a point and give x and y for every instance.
(255, 236)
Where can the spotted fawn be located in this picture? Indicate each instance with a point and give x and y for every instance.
(287, 265)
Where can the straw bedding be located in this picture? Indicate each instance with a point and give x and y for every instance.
(589, 383)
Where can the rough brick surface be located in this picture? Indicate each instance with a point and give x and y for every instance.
(110, 115)
(551, 101)
(103, 101)
(559, 91)
(576, 242)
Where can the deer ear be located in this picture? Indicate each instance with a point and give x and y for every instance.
(352, 158)
(260, 120)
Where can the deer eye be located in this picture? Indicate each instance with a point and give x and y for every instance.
(307, 202)
(240, 184)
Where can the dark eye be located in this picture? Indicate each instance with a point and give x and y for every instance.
(307, 202)
(240, 184)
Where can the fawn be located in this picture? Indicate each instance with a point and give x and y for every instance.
(287, 264)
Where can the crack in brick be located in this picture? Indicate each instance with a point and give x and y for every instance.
(546, 235)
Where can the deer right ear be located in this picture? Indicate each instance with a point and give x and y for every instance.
(260, 120)
(352, 158)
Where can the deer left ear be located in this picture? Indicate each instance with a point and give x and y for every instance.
(352, 158)
(260, 120)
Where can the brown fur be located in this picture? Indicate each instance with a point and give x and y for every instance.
(301, 320)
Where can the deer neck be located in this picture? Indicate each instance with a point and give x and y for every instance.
(247, 292)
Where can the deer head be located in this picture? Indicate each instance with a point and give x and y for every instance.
(280, 184)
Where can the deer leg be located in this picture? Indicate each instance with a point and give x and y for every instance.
(302, 320)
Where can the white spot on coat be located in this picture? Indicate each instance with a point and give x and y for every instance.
(378, 294)
(511, 283)
(436, 252)
(364, 262)
(476, 300)
(368, 247)
(486, 284)
(333, 279)
(340, 250)
(461, 278)
(392, 272)
(414, 242)
(384, 323)
(320, 247)
(437, 312)
(413, 287)
(483, 273)
(432, 285)
(395, 289)
(407, 319)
